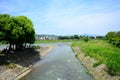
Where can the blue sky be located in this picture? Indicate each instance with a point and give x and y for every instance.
(67, 17)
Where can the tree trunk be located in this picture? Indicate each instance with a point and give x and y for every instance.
(25, 45)
(16, 47)
(10, 46)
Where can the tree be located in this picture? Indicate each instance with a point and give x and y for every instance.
(110, 35)
(113, 38)
(29, 36)
(100, 37)
(85, 38)
(16, 30)
(76, 37)
(4, 26)
(117, 34)
(63, 37)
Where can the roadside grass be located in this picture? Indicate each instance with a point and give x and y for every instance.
(103, 52)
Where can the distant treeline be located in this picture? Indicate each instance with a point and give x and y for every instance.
(113, 38)
(76, 37)
(69, 37)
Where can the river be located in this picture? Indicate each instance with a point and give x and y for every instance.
(59, 64)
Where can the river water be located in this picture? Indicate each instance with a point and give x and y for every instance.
(59, 64)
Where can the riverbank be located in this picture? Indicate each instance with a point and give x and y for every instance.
(99, 72)
(20, 64)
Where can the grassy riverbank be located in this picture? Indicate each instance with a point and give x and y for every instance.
(103, 52)
(51, 41)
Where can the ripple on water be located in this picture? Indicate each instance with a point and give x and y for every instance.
(59, 79)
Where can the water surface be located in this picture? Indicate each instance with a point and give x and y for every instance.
(59, 64)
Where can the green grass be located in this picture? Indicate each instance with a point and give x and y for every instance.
(0, 43)
(87, 71)
(97, 64)
(51, 41)
(103, 52)
(11, 65)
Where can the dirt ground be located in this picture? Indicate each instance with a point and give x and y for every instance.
(12, 66)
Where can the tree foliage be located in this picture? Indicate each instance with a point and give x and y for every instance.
(76, 37)
(110, 35)
(86, 38)
(16, 30)
(69, 37)
(113, 38)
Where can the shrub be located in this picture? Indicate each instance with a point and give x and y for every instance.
(36, 47)
(76, 55)
(11, 65)
(114, 38)
(85, 38)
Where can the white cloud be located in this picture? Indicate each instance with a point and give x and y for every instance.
(73, 16)
(86, 23)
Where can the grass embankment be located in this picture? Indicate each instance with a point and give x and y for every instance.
(47, 41)
(51, 41)
(103, 52)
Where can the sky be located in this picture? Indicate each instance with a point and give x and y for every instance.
(67, 17)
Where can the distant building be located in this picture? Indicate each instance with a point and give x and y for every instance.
(46, 37)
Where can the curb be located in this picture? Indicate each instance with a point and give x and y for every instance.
(23, 73)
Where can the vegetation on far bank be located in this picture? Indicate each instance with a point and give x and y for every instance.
(51, 41)
(103, 52)
(113, 38)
